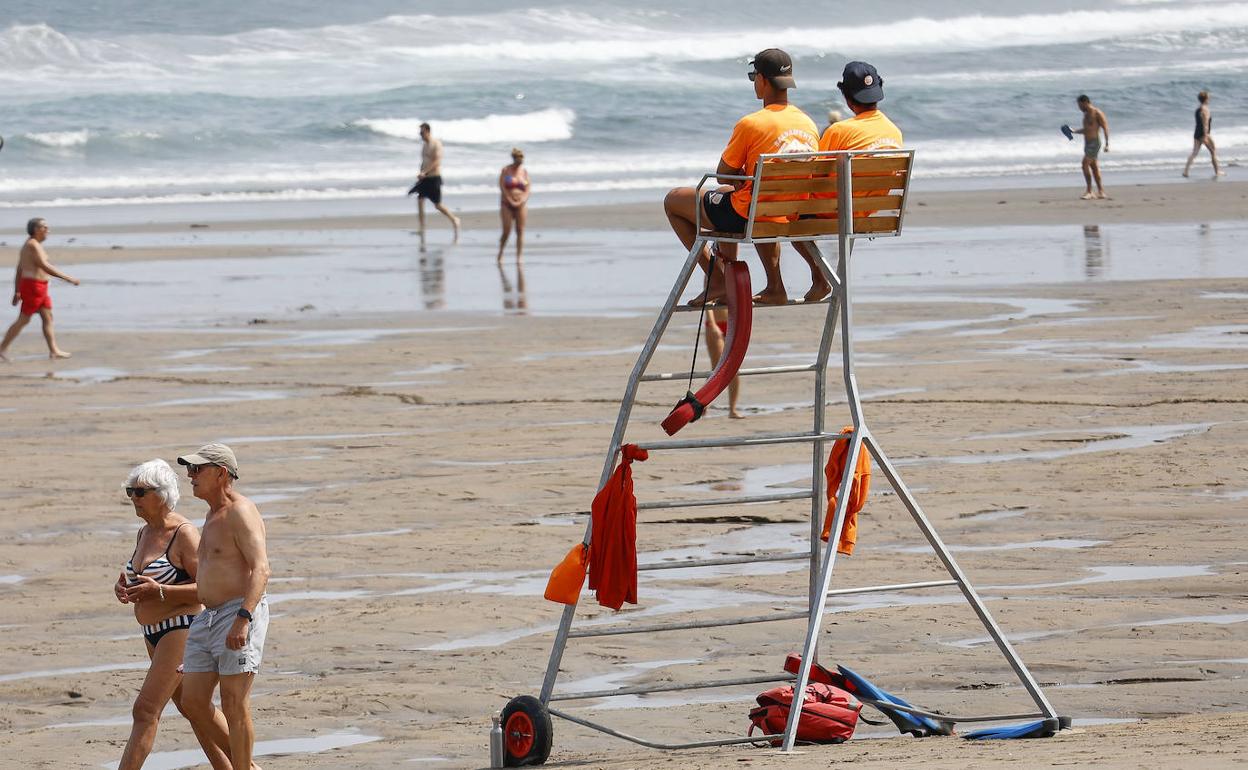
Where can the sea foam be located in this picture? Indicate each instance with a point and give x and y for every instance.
(549, 125)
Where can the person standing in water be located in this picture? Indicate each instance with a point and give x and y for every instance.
(1204, 136)
(1094, 123)
(513, 205)
(30, 288)
(429, 182)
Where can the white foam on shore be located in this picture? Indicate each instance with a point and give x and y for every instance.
(542, 126)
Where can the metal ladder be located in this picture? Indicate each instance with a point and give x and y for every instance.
(821, 560)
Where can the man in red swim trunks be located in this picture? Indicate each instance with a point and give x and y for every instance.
(30, 288)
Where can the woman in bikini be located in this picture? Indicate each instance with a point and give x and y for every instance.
(513, 183)
(159, 580)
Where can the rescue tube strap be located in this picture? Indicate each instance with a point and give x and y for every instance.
(692, 400)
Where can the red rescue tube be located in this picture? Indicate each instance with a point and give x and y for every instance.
(740, 316)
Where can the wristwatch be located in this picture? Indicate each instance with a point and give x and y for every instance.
(244, 614)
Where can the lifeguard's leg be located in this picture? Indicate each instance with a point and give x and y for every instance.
(819, 287)
(681, 206)
(774, 293)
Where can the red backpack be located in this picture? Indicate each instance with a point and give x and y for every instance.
(829, 714)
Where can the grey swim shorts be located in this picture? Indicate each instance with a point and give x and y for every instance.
(1092, 148)
(205, 643)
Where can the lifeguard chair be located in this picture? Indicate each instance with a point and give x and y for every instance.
(840, 196)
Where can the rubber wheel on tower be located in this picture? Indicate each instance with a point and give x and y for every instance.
(527, 732)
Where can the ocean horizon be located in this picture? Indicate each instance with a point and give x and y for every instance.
(230, 103)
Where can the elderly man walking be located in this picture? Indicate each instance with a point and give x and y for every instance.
(30, 288)
(226, 641)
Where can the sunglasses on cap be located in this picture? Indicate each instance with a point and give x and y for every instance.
(138, 491)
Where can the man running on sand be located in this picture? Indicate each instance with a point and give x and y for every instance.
(226, 641)
(429, 182)
(777, 127)
(30, 287)
(1094, 123)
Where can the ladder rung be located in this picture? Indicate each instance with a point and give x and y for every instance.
(791, 369)
(619, 630)
(685, 564)
(665, 746)
(645, 689)
(778, 497)
(894, 587)
(759, 440)
(790, 303)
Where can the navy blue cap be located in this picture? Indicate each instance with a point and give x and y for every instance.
(861, 83)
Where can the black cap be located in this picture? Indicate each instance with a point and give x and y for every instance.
(861, 83)
(776, 66)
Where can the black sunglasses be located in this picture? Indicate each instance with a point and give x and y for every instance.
(138, 491)
(751, 75)
(192, 469)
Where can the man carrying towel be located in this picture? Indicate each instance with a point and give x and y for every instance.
(226, 641)
(777, 127)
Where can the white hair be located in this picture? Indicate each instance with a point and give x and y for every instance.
(157, 475)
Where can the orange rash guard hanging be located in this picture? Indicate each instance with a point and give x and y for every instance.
(858, 491)
(613, 543)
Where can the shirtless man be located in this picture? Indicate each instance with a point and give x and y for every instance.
(1094, 123)
(429, 182)
(226, 641)
(30, 287)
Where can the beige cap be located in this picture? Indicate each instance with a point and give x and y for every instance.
(213, 454)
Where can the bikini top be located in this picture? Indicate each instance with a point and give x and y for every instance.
(514, 182)
(160, 569)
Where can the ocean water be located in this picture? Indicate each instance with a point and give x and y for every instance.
(126, 102)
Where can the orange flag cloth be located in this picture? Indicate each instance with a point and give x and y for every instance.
(613, 541)
(564, 585)
(858, 491)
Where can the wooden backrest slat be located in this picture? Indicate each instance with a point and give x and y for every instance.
(779, 167)
(878, 165)
(875, 224)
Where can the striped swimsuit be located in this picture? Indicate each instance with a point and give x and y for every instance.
(166, 573)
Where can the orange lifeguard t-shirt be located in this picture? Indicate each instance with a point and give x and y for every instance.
(774, 128)
(870, 130)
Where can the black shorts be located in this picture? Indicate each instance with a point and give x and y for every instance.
(719, 210)
(430, 187)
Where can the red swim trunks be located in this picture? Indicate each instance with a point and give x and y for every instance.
(34, 295)
(723, 325)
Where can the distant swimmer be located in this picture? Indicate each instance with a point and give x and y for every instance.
(429, 182)
(1094, 123)
(514, 188)
(777, 127)
(1204, 136)
(30, 288)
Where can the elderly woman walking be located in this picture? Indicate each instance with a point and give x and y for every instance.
(159, 580)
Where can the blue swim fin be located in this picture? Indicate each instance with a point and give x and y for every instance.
(1045, 728)
(917, 726)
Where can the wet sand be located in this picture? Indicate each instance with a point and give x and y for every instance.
(1078, 440)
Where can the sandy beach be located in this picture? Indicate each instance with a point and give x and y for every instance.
(1060, 382)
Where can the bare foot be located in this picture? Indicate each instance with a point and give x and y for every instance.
(1087, 196)
(1220, 173)
(708, 298)
(818, 291)
(455, 227)
(60, 354)
(1185, 175)
(3, 359)
(734, 414)
(1101, 196)
(771, 297)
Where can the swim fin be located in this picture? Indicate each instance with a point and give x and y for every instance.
(1045, 728)
(919, 727)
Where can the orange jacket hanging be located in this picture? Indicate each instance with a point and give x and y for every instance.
(613, 538)
(858, 491)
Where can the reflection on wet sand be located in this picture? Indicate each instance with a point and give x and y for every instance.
(432, 278)
(1096, 251)
(514, 300)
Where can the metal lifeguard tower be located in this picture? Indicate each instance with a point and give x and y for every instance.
(841, 196)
